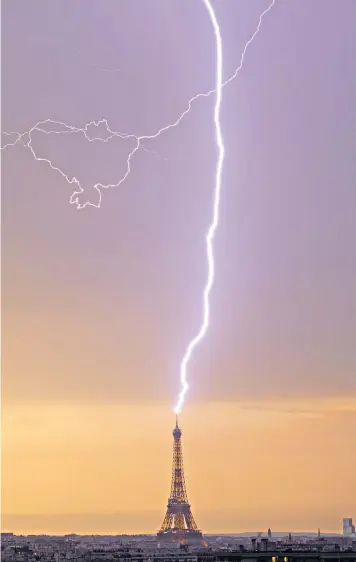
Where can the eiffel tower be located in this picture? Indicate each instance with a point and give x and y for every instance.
(178, 524)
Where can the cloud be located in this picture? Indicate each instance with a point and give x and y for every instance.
(303, 408)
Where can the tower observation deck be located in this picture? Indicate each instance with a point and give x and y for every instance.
(178, 524)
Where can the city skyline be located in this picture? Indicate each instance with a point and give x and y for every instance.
(98, 305)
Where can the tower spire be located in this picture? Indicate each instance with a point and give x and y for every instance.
(179, 522)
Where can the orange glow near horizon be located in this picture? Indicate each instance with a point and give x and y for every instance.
(106, 468)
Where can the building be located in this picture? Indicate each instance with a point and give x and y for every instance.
(347, 527)
(179, 524)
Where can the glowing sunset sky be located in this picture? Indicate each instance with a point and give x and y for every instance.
(99, 305)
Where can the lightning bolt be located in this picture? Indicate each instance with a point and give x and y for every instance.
(217, 194)
(45, 127)
(26, 137)
(211, 232)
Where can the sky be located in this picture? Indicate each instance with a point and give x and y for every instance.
(99, 304)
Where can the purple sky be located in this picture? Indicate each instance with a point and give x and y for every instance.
(99, 305)
(284, 301)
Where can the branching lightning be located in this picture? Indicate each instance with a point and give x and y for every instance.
(50, 127)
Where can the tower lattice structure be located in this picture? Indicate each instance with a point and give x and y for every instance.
(179, 522)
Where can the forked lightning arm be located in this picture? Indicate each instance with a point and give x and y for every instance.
(26, 139)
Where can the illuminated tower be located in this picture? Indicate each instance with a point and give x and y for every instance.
(179, 522)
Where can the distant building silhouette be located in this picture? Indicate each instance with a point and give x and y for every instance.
(347, 527)
(269, 534)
